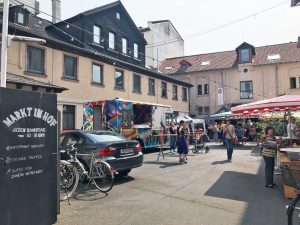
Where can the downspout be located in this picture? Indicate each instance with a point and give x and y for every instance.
(189, 91)
(276, 80)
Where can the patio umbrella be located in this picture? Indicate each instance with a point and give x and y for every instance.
(281, 103)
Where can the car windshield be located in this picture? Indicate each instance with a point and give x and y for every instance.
(105, 137)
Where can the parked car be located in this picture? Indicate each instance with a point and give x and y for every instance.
(120, 153)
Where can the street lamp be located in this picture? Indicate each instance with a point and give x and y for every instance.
(6, 39)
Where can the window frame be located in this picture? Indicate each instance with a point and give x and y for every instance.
(123, 80)
(149, 89)
(17, 18)
(109, 40)
(133, 84)
(184, 98)
(199, 89)
(97, 36)
(76, 67)
(206, 89)
(250, 93)
(200, 112)
(68, 112)
(126, 49)
(43, 60)
(295, 80)
(164, 89)
(205, 111)
(135, 50)
(241, 55)
(174, 92)
(101, 73)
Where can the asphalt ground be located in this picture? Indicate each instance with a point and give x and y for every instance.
(207, 190)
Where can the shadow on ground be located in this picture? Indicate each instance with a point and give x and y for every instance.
(164, 165)
(264, 206)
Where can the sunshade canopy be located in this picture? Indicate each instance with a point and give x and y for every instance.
(281, 103)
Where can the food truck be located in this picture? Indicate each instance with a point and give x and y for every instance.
(141, 121)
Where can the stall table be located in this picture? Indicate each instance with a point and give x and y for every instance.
(289, 192)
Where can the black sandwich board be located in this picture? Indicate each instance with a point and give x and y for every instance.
(28, 159)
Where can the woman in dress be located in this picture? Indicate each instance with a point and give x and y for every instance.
(182, 145)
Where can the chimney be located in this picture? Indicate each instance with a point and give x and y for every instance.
(56, 11)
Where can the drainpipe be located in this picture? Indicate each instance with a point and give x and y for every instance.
(276, 80)
(189, 93)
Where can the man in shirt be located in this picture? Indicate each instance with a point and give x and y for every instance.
(292, 131)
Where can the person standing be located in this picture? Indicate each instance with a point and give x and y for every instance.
(182, 145)
(269, 145)
(216, 131)
(229, 134)
(173, 137)
(292, 131)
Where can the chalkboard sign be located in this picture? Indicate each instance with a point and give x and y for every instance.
(28, 159)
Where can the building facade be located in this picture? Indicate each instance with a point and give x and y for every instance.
(163, 41)
(230, 78)
(96, 55)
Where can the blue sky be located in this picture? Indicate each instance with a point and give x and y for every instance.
(278, 25)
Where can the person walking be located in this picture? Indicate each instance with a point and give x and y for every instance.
(229, 136)
(292, 131)
(182, 145)
(173, 137)
(269, 145)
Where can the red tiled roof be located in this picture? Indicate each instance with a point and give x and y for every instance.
(225, 60)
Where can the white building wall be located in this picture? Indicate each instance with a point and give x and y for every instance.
(159, 34)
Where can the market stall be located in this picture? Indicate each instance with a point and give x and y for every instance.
(287, 155)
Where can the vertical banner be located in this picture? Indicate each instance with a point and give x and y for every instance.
(220, 96)
(28, 157)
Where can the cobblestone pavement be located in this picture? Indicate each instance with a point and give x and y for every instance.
(207, 190)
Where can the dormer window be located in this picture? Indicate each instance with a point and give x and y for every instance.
(184, 67)
(245, 53)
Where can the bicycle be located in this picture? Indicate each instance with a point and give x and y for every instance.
(291, 177)
(69, 175)
(99, 172)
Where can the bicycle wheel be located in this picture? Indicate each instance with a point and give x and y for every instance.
(102, 176)
(294, 211)
(69, 178)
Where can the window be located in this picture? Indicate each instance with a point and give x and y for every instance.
(111, 39)
(200, 110)
(293, 83)
(246, 90)
(184, 67)
(206, 89)
(70, 67)
(20, 18)
(199, 87)
(245, 55)
(184, 94)
(175, 96)
(136, 83)
(35, 60)
(96, 34)
(124, 46)
(119, 79)
(151, 86)
(164, 90)
(135, 50)
(97, 74)
(68, 117)
(118, 15)
(206, 110)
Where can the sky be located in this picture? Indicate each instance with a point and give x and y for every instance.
(193, 18)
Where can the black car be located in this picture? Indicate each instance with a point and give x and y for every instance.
(120, 153)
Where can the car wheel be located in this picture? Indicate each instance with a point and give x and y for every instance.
(124, 172)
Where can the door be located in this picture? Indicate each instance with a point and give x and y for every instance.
(97, 117)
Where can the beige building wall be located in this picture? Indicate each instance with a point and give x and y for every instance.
(82, 90)
(268, 81)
